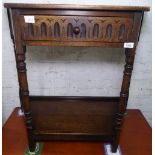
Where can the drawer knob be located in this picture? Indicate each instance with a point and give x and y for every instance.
(76, 30)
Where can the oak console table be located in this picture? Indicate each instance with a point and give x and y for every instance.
(74, 118)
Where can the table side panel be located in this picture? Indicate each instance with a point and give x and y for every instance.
(73, 115)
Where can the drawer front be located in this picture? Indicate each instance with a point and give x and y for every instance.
(77, 28)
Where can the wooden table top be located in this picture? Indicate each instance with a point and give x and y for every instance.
(136, 138)
(75, 6)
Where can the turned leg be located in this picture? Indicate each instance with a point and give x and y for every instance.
(24, 94)
(130, 54)
(13, 40)
(20, 50)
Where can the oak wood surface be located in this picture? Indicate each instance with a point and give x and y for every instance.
(76, 28)
(94, 116)
(135, 138)
(76, 6)
(92, 13)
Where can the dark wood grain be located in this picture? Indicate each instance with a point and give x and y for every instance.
(92, 114)
(76, 7)
(135, 139)
(96, 28)
(74, 43)
(22, 77)
(74, 118)
(92, 13)
(124, 94)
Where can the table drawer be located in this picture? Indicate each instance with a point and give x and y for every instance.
(77, 28)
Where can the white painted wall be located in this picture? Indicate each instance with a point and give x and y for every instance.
(80, 71)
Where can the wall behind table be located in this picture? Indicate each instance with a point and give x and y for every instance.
(80, 71)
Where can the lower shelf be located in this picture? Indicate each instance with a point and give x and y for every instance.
(73, 118)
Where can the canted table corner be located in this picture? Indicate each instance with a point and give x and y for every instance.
(74, 118)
